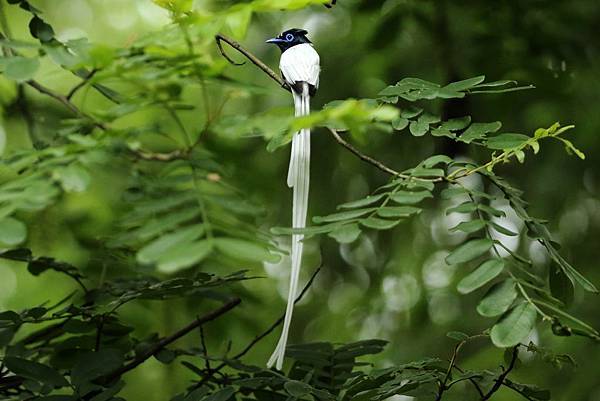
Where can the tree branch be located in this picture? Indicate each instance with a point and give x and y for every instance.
(505, 372)
(81, 84)
(444, 384)
(158, 346)
(362, 156)
(65, 102)
(255, 60)
(471, 380)
(258, 338)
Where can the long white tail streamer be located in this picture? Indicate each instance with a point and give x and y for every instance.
(298, 179)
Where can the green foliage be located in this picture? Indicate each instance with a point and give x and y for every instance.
(159, 140)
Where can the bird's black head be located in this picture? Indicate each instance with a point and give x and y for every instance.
(290, 38)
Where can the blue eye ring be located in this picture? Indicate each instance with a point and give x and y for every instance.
(289, 37)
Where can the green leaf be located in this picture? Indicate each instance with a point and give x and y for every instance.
(349, 215)
(398, 211)
(12, 231)
(485, 273)
(570, 148)
(469, 251)
(410, 112)
(491, 210)
(531, 392)
(21, 68)
(561, 287)
(307, 231)
(106, 395)
(456, 124)
(35, 371)
(443, 132)
(503, 230)
(427, 172)
(514, 326)
(410, 197)
(369, 200)
(40, 29)
(72, 178)
(221, 395)
(399, 123)
(155, 249)
(379, 224)
(451, 192)
(184, 255)
(479, 131)
(457, 335)
(165, 356)
(297, 388)
(346, 234)
(465, 84)
(435, 160)
(469, 226)
(498, 299)
(245, 250)
(465, 207)
(506, 141)
(92, 365)
(418, 128)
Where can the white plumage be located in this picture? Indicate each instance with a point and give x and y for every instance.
(300, 67)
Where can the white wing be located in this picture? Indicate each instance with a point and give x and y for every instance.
(300, 63)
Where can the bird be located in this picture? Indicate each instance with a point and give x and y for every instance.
(300, 68)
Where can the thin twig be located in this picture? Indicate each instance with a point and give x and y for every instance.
(204, 349)
(473, 382)
(281, 318)
(506, 383)
(258, 338)
(444, 384)
(81, 84)
(255, 60)
(66, 102)
(503, 375)
(161, 344)
(364, 157)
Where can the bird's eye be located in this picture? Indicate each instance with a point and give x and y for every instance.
(289, 37)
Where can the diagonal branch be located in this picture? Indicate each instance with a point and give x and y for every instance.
(364, 157)
(158, 346)
(255, 60)
(505, 372)
(258, 338)
(65, 102)
(81, 84)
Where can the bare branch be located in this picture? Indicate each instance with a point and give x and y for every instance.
(362, 156)
(255, 60)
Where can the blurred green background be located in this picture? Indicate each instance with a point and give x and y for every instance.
(390, 285)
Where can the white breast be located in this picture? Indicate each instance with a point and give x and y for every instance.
(300, 63)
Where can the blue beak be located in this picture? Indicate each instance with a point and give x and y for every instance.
(275, 41)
